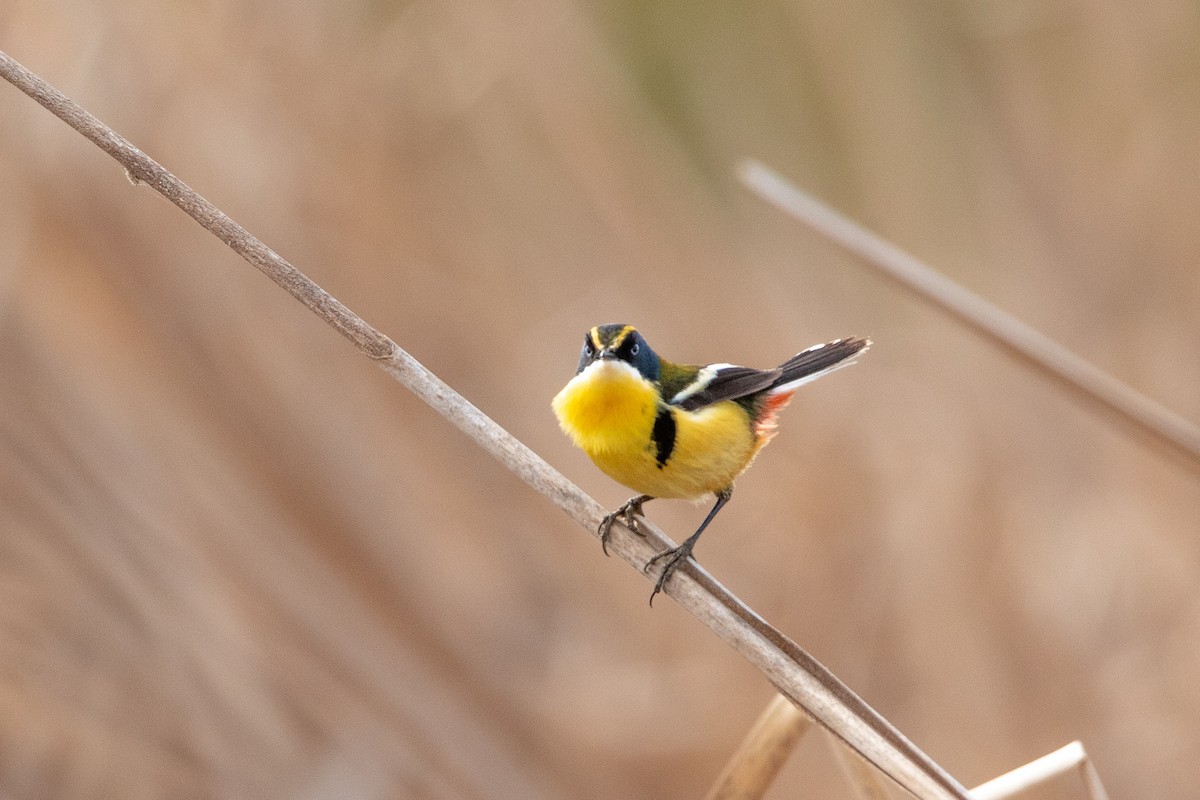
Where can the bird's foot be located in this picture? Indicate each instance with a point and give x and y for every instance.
(673, 558)
(627, 514)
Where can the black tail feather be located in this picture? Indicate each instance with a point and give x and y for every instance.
(820, 358)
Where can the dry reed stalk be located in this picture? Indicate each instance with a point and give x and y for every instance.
(1041, 770)
(752, 768)
(795, 673)
(1029, 345)
(861, 776)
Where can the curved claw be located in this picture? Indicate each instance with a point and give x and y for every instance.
(627, 513)
(605, 529)
(674, 557)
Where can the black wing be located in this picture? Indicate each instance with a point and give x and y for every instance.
(724, 382)
(718, 382)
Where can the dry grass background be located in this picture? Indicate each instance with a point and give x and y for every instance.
(237, 561)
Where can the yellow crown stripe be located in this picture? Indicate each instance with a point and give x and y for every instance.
(614, 342)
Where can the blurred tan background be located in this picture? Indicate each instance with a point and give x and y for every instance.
(237, 561)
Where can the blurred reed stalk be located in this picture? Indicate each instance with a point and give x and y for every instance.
(861, 776)
(1042, 770)
(998, 326)
(752, 768)
(757, 761)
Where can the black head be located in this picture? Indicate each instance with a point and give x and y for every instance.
(621, 343)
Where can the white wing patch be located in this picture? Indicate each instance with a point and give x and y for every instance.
(703, 378)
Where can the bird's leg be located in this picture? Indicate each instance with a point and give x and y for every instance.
(626, 513)
(675, 555)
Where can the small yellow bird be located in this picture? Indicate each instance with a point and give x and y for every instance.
(678, 430)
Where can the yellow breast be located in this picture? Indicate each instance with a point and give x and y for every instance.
(608, 410)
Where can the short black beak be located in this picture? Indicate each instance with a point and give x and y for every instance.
(608, 355)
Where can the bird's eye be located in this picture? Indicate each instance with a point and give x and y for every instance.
(634, 348)
(588, 349)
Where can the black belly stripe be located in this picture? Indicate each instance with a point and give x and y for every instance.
(664, 436)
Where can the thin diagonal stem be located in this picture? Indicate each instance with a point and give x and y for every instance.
(752, 769)
(1027, 344)
(1040, 771)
